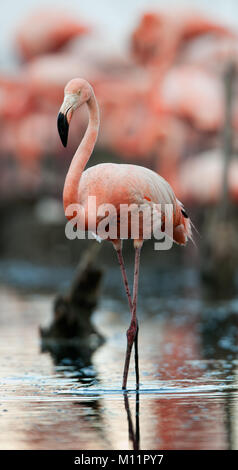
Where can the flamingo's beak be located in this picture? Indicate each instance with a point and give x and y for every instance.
(63, 128)
(64, 117)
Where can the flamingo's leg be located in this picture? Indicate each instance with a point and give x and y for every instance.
(132, 332)
(137, 358)
(124, 276)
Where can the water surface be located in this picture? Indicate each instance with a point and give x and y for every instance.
(189, 382)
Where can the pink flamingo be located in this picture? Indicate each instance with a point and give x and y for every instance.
(200, 178)
(47, 30)
(202, 104)
(161, 35)
(115, 184)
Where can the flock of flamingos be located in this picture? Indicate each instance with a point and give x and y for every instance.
(162, 102)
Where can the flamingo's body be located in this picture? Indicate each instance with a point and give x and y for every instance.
(200, 178)
(202, 104)
(114, 184)
(128, 184)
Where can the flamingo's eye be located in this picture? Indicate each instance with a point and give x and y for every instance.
(78, 92)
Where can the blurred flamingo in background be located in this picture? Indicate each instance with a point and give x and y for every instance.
(28, 150)
(15, 98)
(125, 101)
(191, 93)
(114, 184)
(160, 35)
(210, 53)
(159, 103)
(200, 178)
(46, 75)
(47, 30)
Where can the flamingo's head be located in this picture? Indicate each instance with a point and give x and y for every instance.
(77, 92)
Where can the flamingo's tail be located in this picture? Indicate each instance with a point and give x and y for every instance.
(182, 226)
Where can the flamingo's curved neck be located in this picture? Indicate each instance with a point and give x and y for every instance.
(82, 155)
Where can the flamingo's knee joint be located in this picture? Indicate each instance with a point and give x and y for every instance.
(131, 334)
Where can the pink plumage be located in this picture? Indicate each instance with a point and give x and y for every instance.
(114, 184)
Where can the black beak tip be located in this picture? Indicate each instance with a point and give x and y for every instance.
(63, 128)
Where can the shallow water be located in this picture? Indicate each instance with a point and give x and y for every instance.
(188, 374)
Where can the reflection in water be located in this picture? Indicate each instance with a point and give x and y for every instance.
(134, 435)
(189, 381)
(66, 358)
